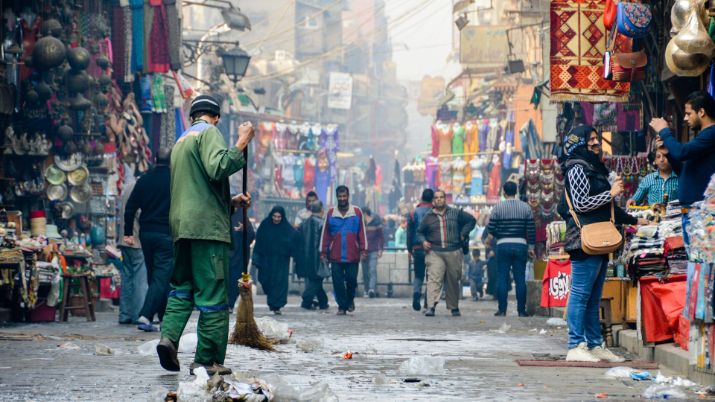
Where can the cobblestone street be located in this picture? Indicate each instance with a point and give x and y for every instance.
(39, 362)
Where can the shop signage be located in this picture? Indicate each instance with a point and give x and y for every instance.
(484, 45)
(340, 91)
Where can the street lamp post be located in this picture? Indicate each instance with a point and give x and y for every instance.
(235, 63)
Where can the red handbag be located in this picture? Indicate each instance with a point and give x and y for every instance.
(609, 15)
(628, 67)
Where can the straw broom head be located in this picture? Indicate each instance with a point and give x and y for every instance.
(246, 332)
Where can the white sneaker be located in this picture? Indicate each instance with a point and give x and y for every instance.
(605, 354)
(143, 320)
(581, 354)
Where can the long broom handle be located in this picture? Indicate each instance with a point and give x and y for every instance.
(245, 212)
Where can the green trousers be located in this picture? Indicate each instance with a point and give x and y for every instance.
(199, 280)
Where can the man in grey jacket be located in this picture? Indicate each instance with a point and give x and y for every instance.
(442, 233)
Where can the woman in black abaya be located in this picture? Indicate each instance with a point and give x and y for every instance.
(276, 243)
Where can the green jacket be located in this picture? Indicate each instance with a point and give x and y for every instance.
(200, 193)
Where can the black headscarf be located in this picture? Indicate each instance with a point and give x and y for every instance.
(576, 147)
(275, 239)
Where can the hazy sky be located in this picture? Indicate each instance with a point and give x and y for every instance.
(425, 27)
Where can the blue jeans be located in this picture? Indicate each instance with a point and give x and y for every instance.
(511, 256)
(587, 278)
(158, 251)
(134, 284)
(418, 261)
(369, 272)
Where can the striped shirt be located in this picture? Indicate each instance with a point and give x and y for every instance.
(655, 187)
(512, 221)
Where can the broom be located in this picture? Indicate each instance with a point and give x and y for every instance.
(246, 332)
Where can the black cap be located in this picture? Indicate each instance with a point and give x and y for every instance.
(205, 103)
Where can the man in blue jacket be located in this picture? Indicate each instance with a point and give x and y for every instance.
(414, 247)
(694, 162)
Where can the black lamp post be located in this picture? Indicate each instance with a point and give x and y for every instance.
(235, 62)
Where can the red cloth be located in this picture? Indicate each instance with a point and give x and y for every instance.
(105, 289)
(556, 284)
(159, 54)
(661, 305)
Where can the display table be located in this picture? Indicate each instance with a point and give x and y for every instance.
(662, 302)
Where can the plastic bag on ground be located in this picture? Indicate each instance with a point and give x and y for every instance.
(556, 322)
(285, 392)
(102, 350)
(677, 381)
(148, 348)
(273, 330)
(310, 345)
(619, 372)
(503, 329)
(422, 365)
(659, 391)
(68, 346)
(188, 342)
(196, 390)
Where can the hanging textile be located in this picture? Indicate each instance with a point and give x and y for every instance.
(137, 7)
(159, 56)
(556, 284)
(458, 139)
(578, 42)
(172, 19)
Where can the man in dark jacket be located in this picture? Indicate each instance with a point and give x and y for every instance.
(414, 247)
(693, 162)
(310, 266)
(151, 195)
(442, 232)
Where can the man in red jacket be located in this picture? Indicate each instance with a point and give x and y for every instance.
(343, 243)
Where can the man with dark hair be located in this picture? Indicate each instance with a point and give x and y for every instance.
(414, 247)
(511, 223)
(343, 243)
(151, 195)
(304, 214)
(310, 266)
(442, 231)
(200, 220)
(693, 162)
(375, 246)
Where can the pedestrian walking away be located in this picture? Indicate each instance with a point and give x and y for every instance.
(511, 223)
(414, 247)
(133, 269)
(591, 196)
(375, 247)
(693, 162)
(237, 258)
(443, 232)
(475, 273)
(152, 196)
(309, 264)
(276, 243)
(343, 243)
(200, 219)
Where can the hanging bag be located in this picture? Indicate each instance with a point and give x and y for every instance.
(610, 13)
(633, 19)
(598, 238)
(623, 67)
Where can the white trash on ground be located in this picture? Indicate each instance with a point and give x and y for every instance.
(660, 391)
(188, 342)
(677, 381)
(502, 330)
(556, 322)
(196, 390)
(102, 350)
(68, 346)
(157, 393)
(310, 345)
(619, 372)
(285, 392)
(148, 348)
(542, 332)
(422, 365)
(273, 330)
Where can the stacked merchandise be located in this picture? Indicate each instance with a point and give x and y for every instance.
(700, 299)
(631, 168)
(646, 253)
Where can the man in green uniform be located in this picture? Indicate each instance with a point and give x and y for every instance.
(201, 207)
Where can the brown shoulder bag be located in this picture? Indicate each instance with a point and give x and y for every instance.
(597, 238)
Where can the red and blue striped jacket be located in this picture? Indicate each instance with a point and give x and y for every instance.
(343, 239)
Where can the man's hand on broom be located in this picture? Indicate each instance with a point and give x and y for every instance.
(241, 201)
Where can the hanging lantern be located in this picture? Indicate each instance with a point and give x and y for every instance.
(49, 52)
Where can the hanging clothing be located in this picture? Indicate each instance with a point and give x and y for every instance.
(477, 181)
(298, 167)
(445, 134)
(458, 140)
(483, 133)
(472, 137)
(275, 245)
(322, 178)
(495, 180)
(435, 141)
(137, 7)
(159, 56)
(309, 174)
(432, 172)
(173, 22)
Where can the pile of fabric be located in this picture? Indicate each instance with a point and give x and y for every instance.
(657, 250)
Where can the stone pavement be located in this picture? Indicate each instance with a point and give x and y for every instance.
(38, 361)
